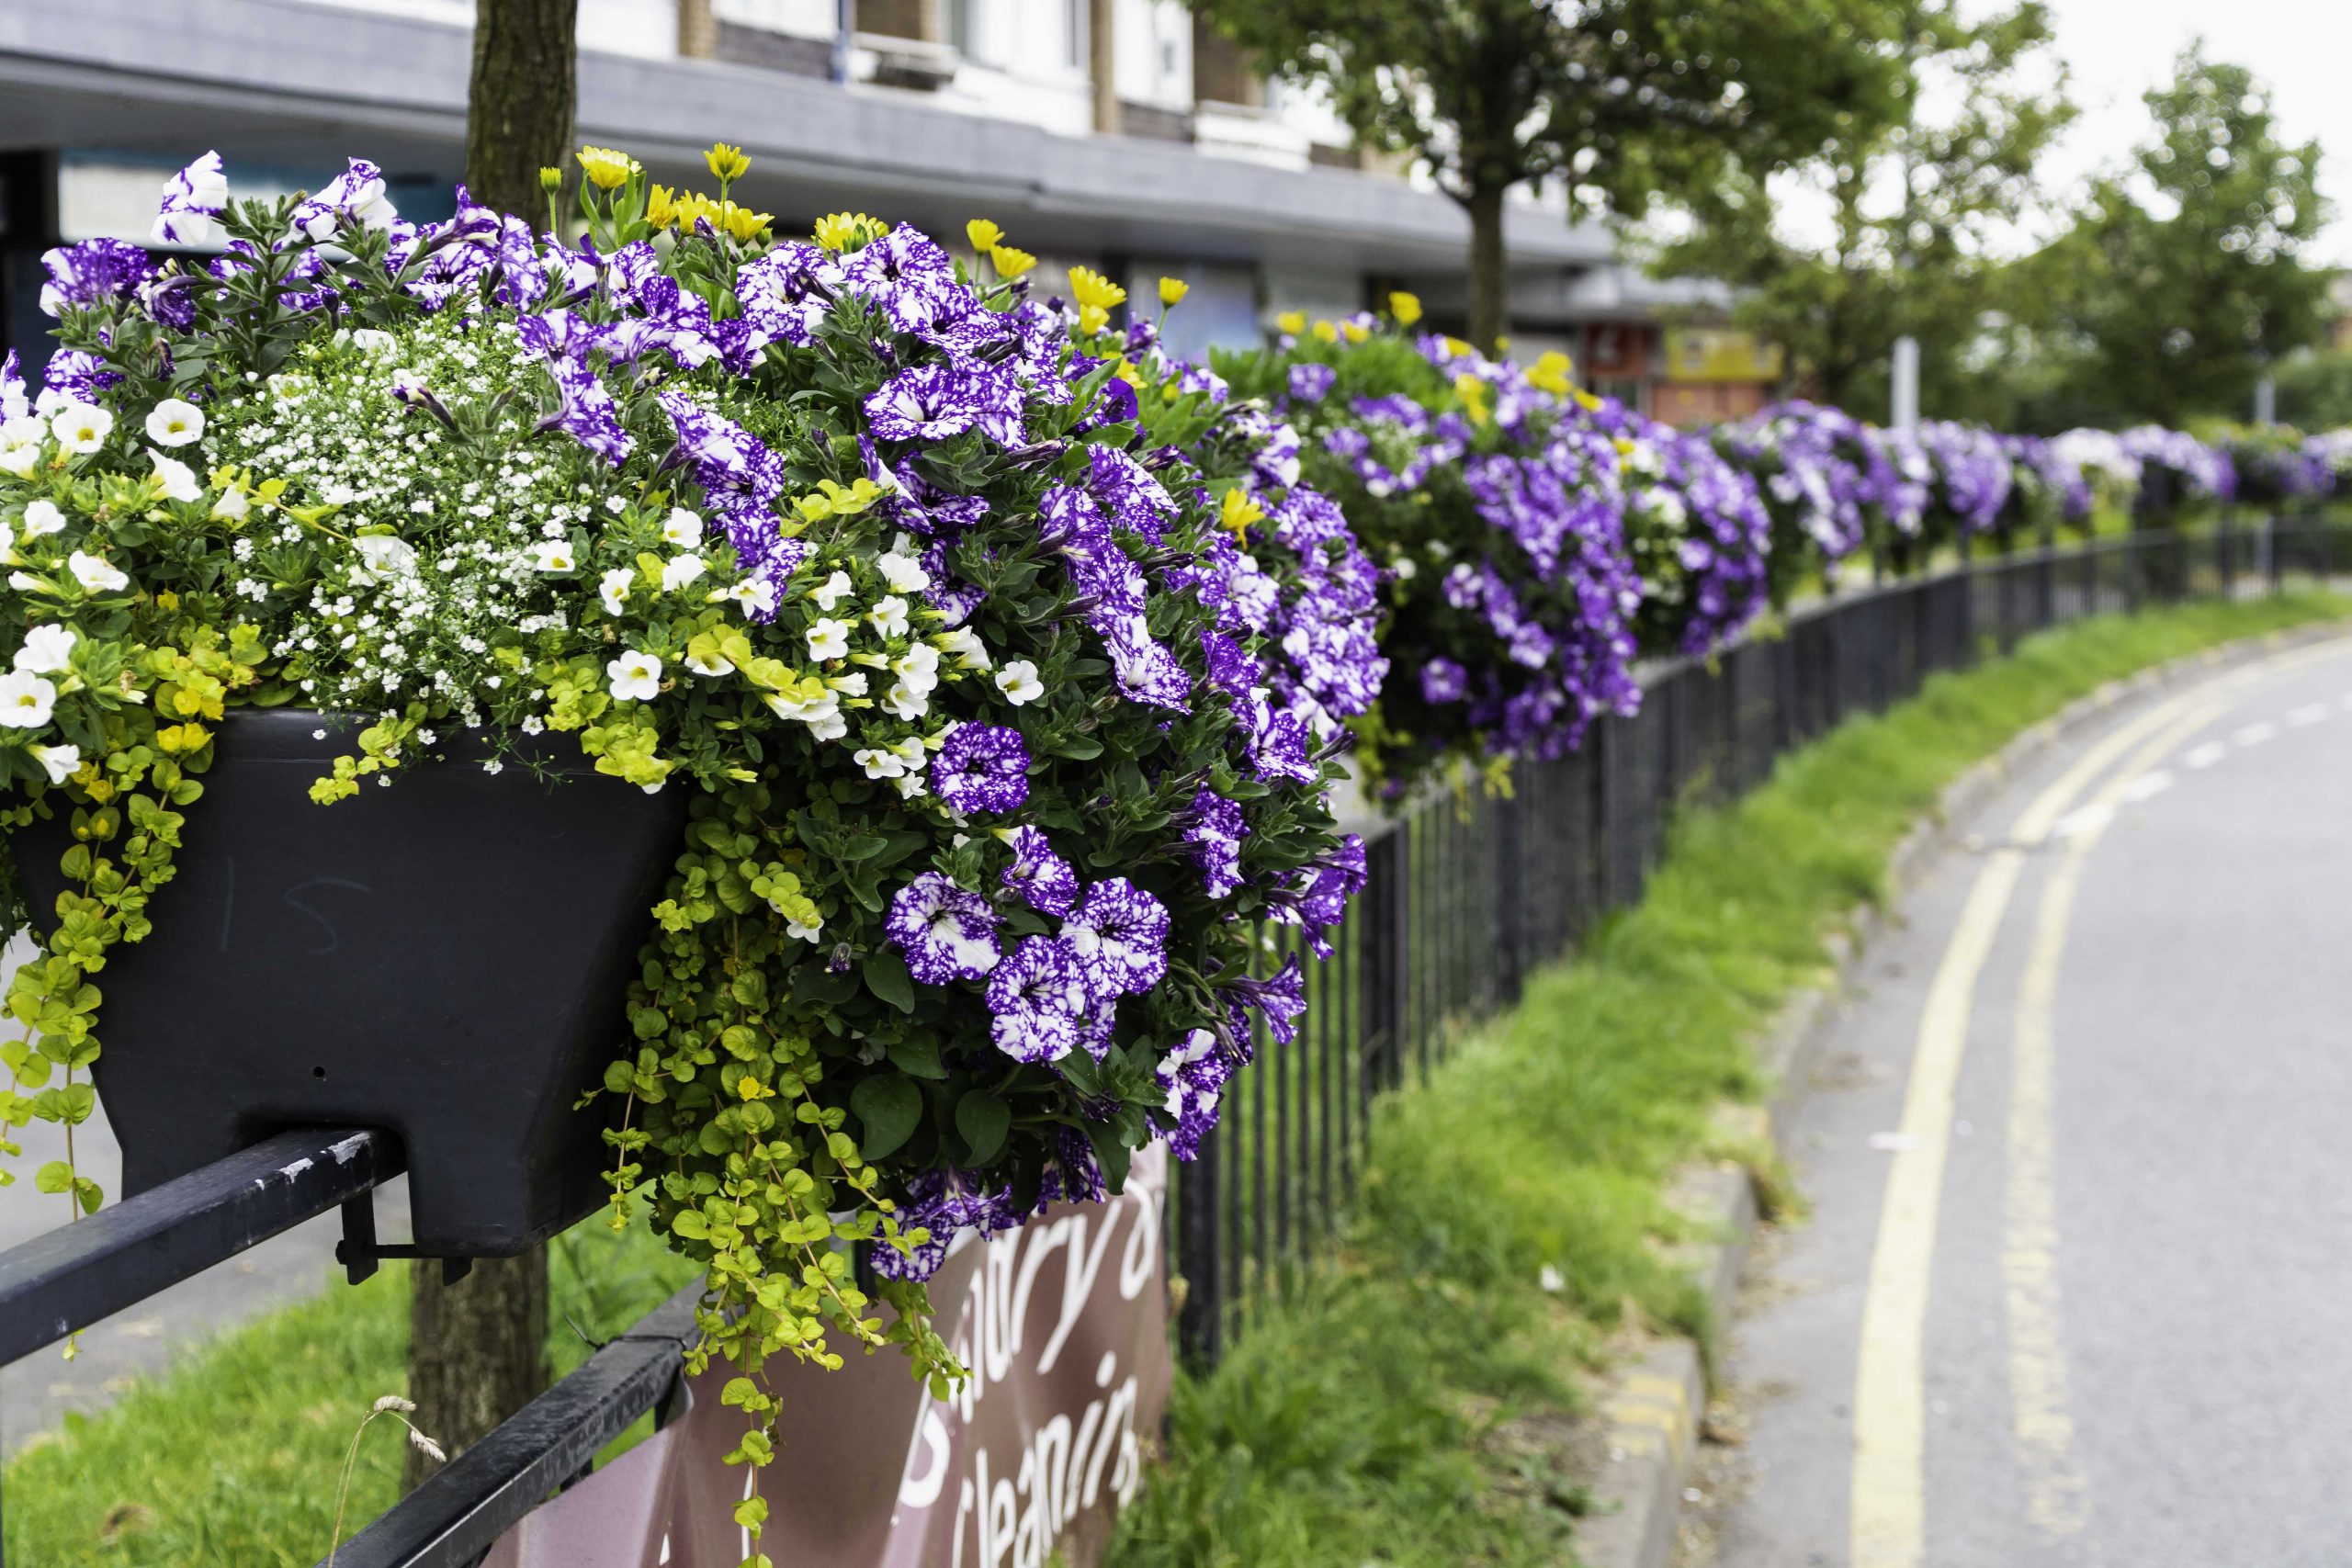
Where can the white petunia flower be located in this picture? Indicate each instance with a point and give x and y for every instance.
(833, 726)
(901, 703)
(913, 753)
(26, 700)
(829, 593)
(903, 572)
(43, 517)
(716, 664)
(60, 761)
(754, 595)
(636, 677)
(614, 589)
(911, 785)
(682, 528)
(879, 763)
(1018, 680)
(850, 685)
(22, 429)
(232, 507)
(889, 616)
(828, 638)
(383, 556)
(553, 555)
(180, 479)
(79, 428)
(175, 422)
(806, 934)
(48, 648)
(966, 645)
(682, 571)
(95, 575)
(19, 461)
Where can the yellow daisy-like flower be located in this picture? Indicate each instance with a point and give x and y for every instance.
(551, 180)
(839, 230)
(1173, 290)
(743, 224)
(1472, 393)
(1551, 373)
(1239, 510)
(1406, 308)
(608, 170)
(1009, 261)
(1585, 400)
(1356, 331)
(1092, 319)
(726, 162)
(660, 207)
(1327, 332)
(1291, 321)
(983, 233)
(1090, 287)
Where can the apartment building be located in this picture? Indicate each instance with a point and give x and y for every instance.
(1115, 133)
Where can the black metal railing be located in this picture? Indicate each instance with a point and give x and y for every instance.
(1468, 891)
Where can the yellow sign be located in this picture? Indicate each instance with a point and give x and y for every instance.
(1719, 354)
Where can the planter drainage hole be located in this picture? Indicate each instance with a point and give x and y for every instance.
(318, 1072)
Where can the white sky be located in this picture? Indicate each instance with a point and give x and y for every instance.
(2300, 48)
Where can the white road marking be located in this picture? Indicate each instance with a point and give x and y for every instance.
(2204, 756)
(2147, 786)
(2090, 819)
(2344, 702)
(2305, 717)
(2255, 733)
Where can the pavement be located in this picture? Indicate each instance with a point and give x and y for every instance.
(2073, 1285)
(39, 1391)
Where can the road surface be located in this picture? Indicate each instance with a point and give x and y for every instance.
(2076, 1283)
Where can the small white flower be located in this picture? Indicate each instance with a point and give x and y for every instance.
(179, 479)
(833, 726)
(682, 528)
(48, 648)
(1550, 1279)
(1018, 680)
(175, 422)
(383, 556)
(614, 589)
(903, 572)
(889, 616)
(19, 461)
(60, 761)
(901, 703)
(43, 517)
(755, 595)
(829, 593)
(913, 753)
(22, 429)
(553, 555)
(682, 571)
(636, 677)
(79, 428)
(828, 638)
(964, 644)
(911, 785)
(806, 934)
(716, 664)
(26, 700)
(850, 685)
(879, 763)
(372, 340)
(232, 507)
(917, 669)
(95, 575)
(1405, 568)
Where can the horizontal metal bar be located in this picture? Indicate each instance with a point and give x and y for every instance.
(69, 1278)
(460, 1513)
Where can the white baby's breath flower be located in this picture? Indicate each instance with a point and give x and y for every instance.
(903, 572)
(553, 555)
(829, 593)
(48, 648)
(682, 571)
(889, 616)
(613, 588)
(79, 428)
(175, 422)
(1018, 680)
(682, 528)
(828, 638)
(636, 677)
(59, 761)
(95, 575)
(42, 517)
(26, 700)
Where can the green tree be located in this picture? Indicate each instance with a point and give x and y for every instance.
(1618, 99)
(2183, 279)
(1918, 204)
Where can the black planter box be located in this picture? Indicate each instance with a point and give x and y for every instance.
(446, 958)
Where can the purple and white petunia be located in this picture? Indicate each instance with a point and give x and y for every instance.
(1045, 880)
(981, 767)
(1040, 1002)
(193, 201)
(947, 933)
(1216, 832)
(1120, 934)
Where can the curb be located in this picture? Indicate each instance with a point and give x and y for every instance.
(1652, 1410)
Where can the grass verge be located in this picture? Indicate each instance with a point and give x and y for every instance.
(1405, 1402)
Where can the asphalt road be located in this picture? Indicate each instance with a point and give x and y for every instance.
(2076, 1280)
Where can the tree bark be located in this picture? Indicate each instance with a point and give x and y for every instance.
(1489, 312)
(520, 104)
(1103, 64)
(477, 1350)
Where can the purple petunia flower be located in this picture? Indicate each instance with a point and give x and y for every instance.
(1192, 1076)
(930, 402)
(1443, 680)
(193, 201)
(1120, 934)
(911, 279)
(585, 412)
(1216, 833)
(981, 767)
(944, 1202)
(1127, 492)
(947, 934)
(1040, 1002)
(1311, 382)
(1042, 878)
(92, 273)
(356, 194)
(1281, 999)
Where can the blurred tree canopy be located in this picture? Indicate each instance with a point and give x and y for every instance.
(1619, 100)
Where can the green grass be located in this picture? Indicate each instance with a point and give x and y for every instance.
(231, 1457)
(1405, 1405)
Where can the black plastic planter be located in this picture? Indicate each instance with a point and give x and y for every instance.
(445, 958)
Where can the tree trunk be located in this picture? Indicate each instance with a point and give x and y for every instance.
(1103, 65)
(519, 107)
(477, 1350)
(1489, 320)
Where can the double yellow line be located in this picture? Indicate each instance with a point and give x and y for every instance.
(1888, 1519)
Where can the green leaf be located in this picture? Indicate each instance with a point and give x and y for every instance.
(886, 977)
(983, 1120)
(55, 1177)
(889, 1109)
(918, 1057)
(1112, 1153)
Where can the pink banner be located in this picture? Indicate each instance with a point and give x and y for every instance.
(1064, 1325)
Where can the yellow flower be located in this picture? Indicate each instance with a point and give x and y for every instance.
(749, 1088)
(1090, 287)
(1472, 393)
(1406, 308)
(1092, 319)
(1009, 261)
(1326, 332)
(1291, 321)
(1173, 290)
(742, 223)
(1238, 511)
(1357, 332)
(551, 180)
(1551, 373)
(1585, 400)
(609, 170)
(167, 601)
(726, 162)
(1129, 373)
(660, 207)
(983, 233)
(839, 230)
